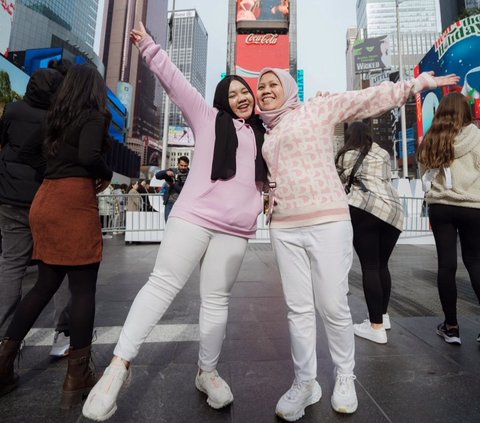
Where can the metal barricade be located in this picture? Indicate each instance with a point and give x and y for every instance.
(141, 218)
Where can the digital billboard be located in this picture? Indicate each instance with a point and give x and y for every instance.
(7, 9)
(257, 51)
(372, 54)
(181, 136)
(262, 14)
(456, 51)
(13, 82)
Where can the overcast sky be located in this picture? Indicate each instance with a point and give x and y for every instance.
(322, 27)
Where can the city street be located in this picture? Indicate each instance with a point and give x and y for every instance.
(415, 377)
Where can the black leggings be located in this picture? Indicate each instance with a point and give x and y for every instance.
(374, 240)
(82, 284)
(447, 222)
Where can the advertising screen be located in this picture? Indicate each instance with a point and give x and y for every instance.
(13, 82)
(257, 51)
(456, 51)
(372, 54)
(7, 9)
(181, 136)
(258, 14)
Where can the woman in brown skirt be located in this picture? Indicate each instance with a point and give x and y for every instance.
(65, 226)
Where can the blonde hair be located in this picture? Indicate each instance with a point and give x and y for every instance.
(453, 114)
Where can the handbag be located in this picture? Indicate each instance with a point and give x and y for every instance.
(351, 178)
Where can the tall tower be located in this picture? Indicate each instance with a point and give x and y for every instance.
(189, 54)
(126, 71)
(260, 34)
(420, 26)
(50, 23)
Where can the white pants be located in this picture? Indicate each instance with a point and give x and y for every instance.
(314, 262)
(184, 245)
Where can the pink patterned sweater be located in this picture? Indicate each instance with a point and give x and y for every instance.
(309, 191)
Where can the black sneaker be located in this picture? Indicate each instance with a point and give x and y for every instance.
(451, 336)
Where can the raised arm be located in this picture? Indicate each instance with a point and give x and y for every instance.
(374, 101)
(180, 91)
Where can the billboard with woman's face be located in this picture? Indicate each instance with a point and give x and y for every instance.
(255, 13)
(456, 51)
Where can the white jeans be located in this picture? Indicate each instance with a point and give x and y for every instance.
(184, 245)
(314, 262)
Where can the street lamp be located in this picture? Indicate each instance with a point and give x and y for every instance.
(166, 116)
(402, 109)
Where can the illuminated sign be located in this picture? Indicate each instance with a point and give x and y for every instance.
(260, 14)
(252, 57)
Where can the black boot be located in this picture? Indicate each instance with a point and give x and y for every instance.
(8, 378)
(80, 378)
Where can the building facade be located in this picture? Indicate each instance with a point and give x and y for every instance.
(126, 71)
(188, 51)
(70, 25)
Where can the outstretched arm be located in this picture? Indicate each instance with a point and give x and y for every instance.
(177, 87)
(373, 101)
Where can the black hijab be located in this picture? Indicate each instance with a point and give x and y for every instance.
(224, 165)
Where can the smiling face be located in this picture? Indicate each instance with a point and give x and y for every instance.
(240, 100)
(270, 93)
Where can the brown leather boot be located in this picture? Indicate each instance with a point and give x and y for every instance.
(8, 378)
(80, 378)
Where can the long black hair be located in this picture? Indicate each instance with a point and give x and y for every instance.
(357, 137)
(83, 91)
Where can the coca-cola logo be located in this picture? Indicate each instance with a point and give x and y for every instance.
(261, 39)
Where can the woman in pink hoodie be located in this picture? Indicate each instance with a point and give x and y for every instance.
(210, 224)
(310, 227)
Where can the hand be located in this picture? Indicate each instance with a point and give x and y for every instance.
(138, 35)
(442, 81)
(101, 185)
(170, 173)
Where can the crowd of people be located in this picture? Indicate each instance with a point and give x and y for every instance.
(322, 207)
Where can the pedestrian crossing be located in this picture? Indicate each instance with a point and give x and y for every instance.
(110, 334)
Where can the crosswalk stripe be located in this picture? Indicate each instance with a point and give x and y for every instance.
(110, 334)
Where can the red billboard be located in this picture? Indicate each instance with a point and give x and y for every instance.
(262, 14)
(257, 51)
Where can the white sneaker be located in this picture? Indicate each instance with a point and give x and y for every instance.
(344, 398)
(386, 321)
(61, 345)
(365, 330)
(101, 402)
(291, 406)
(217, 390)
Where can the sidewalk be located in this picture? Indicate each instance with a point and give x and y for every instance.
(415, 377)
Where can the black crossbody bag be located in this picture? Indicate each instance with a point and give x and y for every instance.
(351, 178)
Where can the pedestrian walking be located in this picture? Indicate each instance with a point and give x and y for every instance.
(210, 225)
(377, 220)
(449, 158)
(310, 226)
(76, 137)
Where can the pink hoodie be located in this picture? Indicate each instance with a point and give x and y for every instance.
(229, 206)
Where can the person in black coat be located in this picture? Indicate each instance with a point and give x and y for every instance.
(21, 172)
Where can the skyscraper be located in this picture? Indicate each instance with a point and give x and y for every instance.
(52, 23)
(420, 26)
(125, 69)
(189, 54)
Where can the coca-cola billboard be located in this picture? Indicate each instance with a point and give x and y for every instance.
(257, 51)
(261, 39)
(262, 14)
